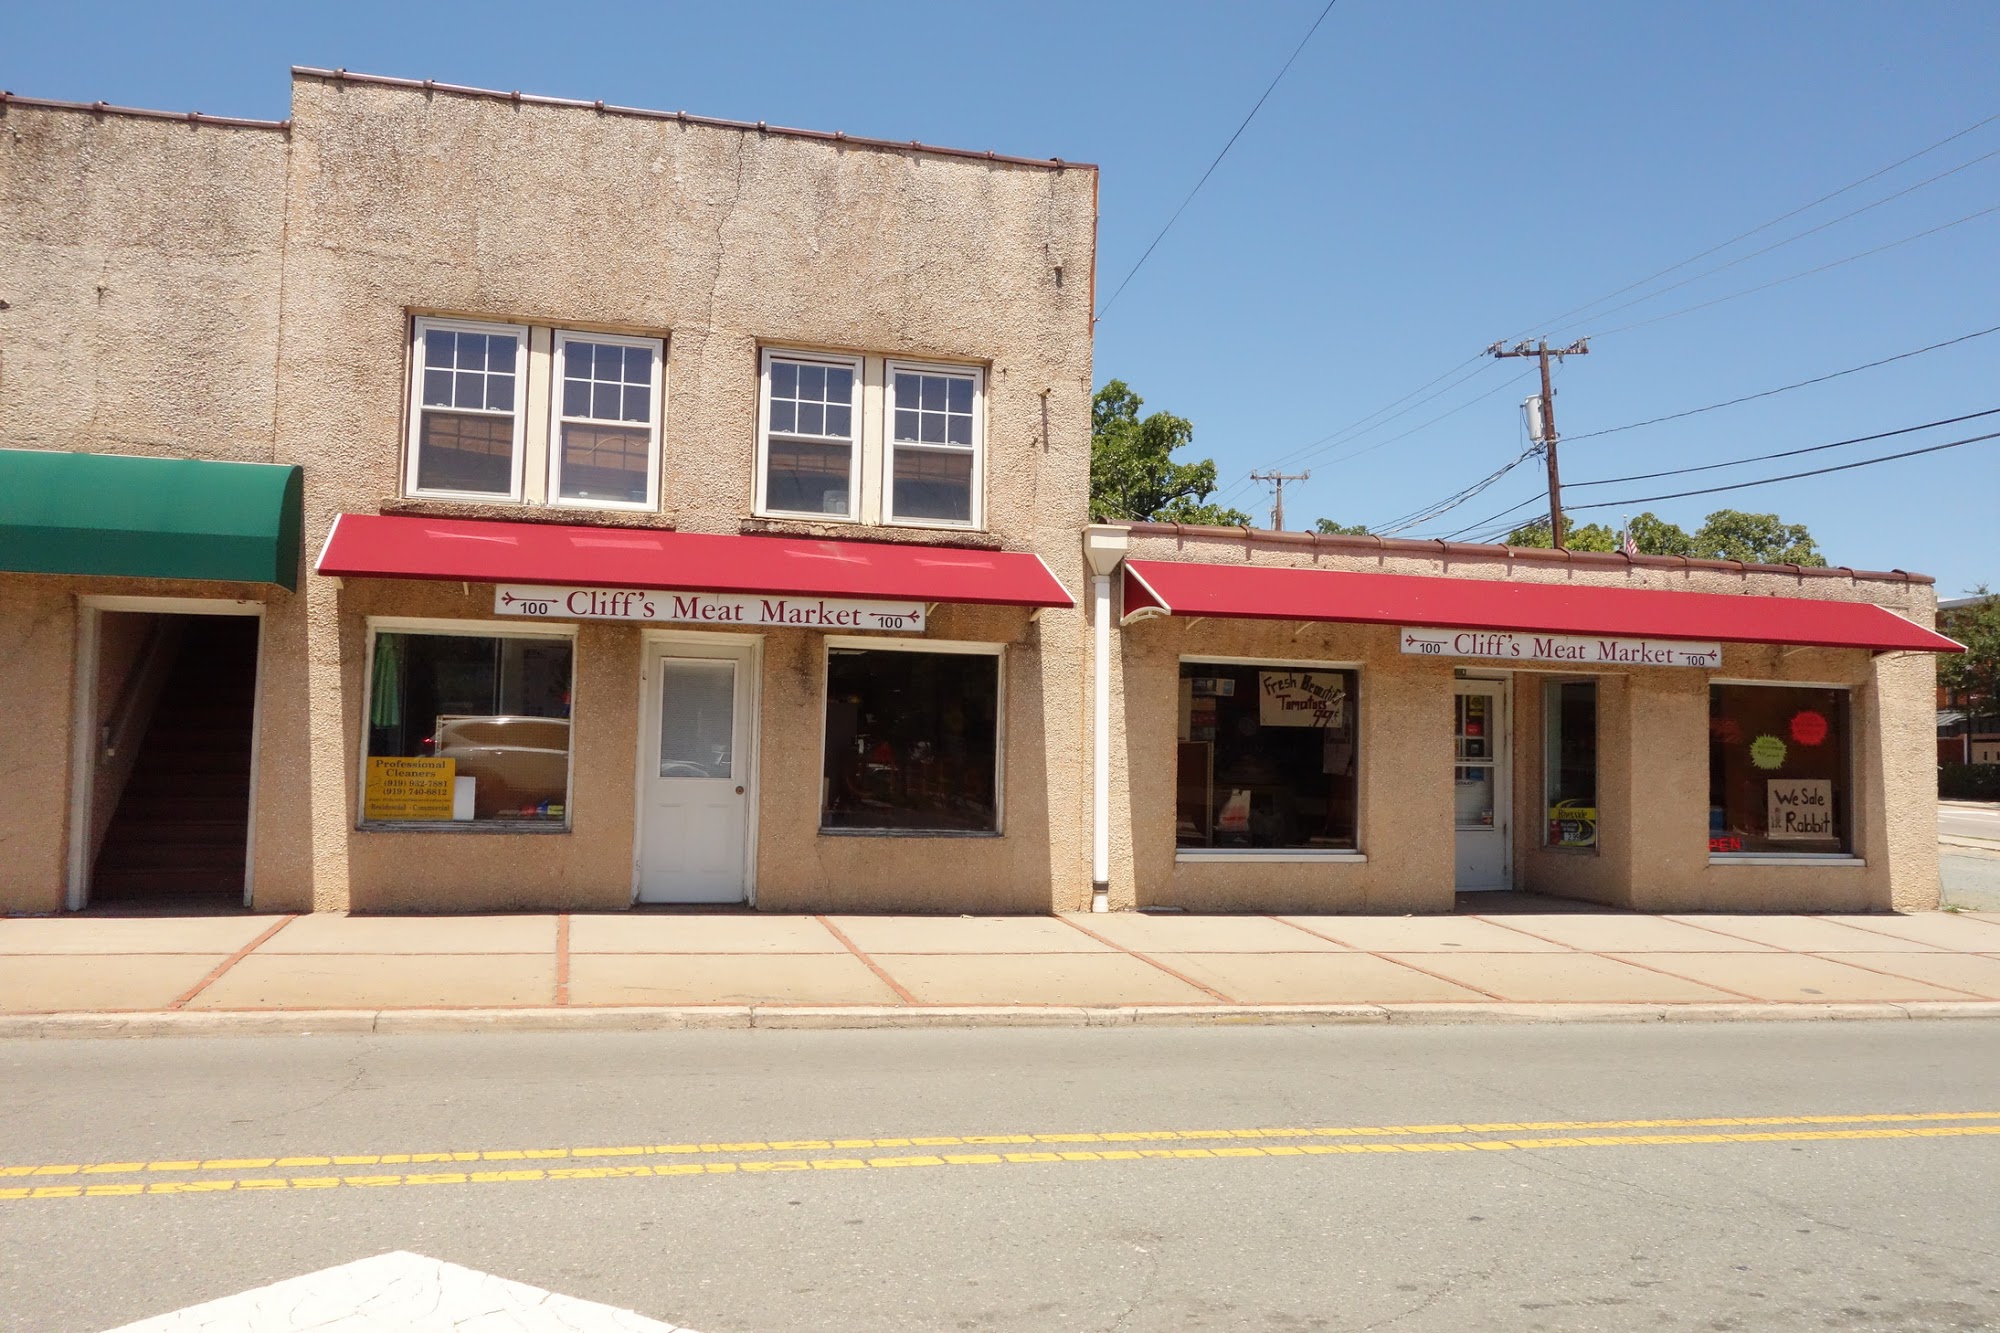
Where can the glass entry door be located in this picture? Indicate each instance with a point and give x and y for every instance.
(1480, 763)
(695, 780)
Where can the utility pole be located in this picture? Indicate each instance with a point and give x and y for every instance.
(1547, 439)
(1278, 480)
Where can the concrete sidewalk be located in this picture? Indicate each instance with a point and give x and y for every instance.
(135, 974)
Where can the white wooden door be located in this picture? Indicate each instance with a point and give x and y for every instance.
(1480, 786)
(696, 775)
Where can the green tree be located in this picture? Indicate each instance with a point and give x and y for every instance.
(1589, 537)
(1653, 535)
(1727, 534)
(1326, 527)
(1132, 471)
(1765, 539)
(1973, 675)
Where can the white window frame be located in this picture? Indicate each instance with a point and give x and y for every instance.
(837, 360)
(467, 629)
(1355, 855)
(890, 444)
(962, 647)
(563, 337)
(1852, 857)
(423, 324)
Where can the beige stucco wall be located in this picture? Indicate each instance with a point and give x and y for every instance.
(140, 270)
(720, 241)
(209, 291)
(1652, 753)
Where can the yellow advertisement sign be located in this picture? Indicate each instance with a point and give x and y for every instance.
(408, 789)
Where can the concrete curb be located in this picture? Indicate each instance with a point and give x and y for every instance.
(334, 1022)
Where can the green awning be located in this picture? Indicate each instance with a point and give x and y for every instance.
(152, 518)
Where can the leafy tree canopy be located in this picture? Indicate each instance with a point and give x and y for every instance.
(1328, 528)
(1132, 472)
(1976, 671)
(1727, 534)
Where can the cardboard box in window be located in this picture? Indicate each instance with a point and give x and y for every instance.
(521, 764)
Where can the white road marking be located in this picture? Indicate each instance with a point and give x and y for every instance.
(400, 1291)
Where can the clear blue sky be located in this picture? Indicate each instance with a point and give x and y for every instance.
(1429, 178)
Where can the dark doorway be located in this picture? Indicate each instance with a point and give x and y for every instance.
(180, 791)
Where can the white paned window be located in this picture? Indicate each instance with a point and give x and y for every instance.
(465, 425)
(605, 432)
(809, 441)
(935, 434)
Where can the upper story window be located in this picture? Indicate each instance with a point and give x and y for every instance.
(473, 437)
(809, 450)
(606, 433)
(934, 445)
(465, 431)
(868, 439)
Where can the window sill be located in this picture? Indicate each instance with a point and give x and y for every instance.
(847, 529)
(515, 511)
(1822, 860)
(1253, 855)
(909, 833)
(535, 826)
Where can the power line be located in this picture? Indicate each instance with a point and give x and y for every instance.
(1106, 307)
(1762, 226)
(1452, 502)
(1788, 453)
(1796, 236)
(1353, 429)
(1793, 277)
(1404, 435)
(1784, 388)
(1793, 476)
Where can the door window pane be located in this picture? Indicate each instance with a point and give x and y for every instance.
(1266, 757)
(697, 718)
(468, 727)
(1569, 766)
(1777, 770)
(912, 741)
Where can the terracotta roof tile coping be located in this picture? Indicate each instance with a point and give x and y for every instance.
(8, 99)
(1383, 545)
(684, 118)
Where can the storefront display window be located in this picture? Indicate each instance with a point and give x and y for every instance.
(466, 728)
(1778, 770)
(1569, 726)
(912, 741)
(1267, 758)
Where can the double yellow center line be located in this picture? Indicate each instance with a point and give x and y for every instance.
(84, 1180)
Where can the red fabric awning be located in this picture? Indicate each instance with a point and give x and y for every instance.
(385, 546)
(1161, 587)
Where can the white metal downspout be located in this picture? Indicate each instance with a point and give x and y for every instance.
(1100, 747)
(1104, 547)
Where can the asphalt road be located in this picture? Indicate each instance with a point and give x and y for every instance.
(1967, 821)
(1864, 1202)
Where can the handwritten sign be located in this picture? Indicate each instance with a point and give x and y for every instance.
(1577, 649)
(706, 608)
(1301, 699)
(1799, 808)
(408, 789)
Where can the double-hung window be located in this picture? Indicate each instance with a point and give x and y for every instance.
(591, 441)
(466, 432)
(605, 437)
(934, 445)
(809, 438)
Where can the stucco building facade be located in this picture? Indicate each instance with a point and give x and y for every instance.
(606, 329)
(450, 501)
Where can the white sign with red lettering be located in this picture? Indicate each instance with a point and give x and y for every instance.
(1574, 649)
(704, 608)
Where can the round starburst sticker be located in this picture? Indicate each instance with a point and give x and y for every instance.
(1767, 752)
(1808, 727)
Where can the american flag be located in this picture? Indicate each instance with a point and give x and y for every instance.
(1626, 544)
